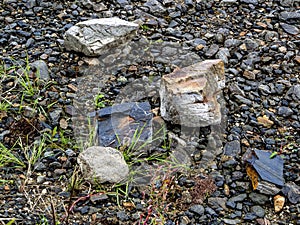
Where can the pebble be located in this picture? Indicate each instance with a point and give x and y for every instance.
(238, 198)
(197, 209)
(285, 111)
(258, 210)
(258, 198)
(232, 148)
(40, 179)
(232, 221)
(290, 29)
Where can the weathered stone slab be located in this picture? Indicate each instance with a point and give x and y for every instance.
(95, 37)
(103, 164)
(117, 124)
(189, 96)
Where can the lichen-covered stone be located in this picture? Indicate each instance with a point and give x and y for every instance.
(95, 37)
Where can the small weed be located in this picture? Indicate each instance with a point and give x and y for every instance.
(134, 150)
(145, 27)
(4, 105)
(33, 152)
(8, 158)
(160, 195)
(202, 189)
(99, 101)
(11, 221)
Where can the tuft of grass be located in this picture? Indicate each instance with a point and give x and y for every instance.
(4, 105)
(134, 151)
(33, 152)
(8, 158)
(160, 195)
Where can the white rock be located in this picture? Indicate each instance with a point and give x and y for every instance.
(95, 37)
(103, 164)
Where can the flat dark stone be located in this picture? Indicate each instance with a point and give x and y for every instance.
(268, 169)
(133, 109)
(120, 122)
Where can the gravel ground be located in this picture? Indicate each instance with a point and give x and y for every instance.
(259, 44)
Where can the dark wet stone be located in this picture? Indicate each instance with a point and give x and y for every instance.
(294, 92)
(243, 100)
(98, 198)
(198, 41)
(232, 221)
(251, 44)
(123, 120)
(238, 198)
(213, 49)
(258, 198)
(231, 43)
(258, 210)
(290, 29)
(223, 54)
(232, 148)
(230, 204)
(265, 89)
(292, 191)
(217, 203)
(84, 209)
(210, 211)
(284, 111)
(230, 163)
(250, 216)
(55, 165)
(268, 169)
(55, 115)
(29, 42)
(197, 209)
(41, 69)
(155, 7)
(289, 15)
(122, 216)
(70, 152)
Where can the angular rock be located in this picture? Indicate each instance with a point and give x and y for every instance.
(294, 92)
(95, 37)
(189, 96)
(102, 164)
(292, 191)
(285, 111)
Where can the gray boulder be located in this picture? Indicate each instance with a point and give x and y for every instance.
(95, 37)
(103, 164)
